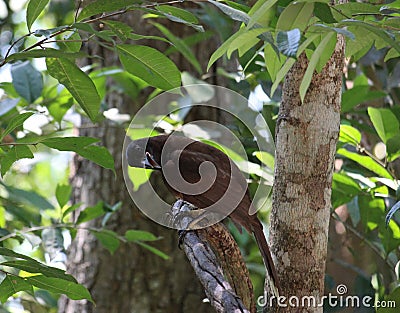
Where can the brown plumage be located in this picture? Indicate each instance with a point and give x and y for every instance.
(172, 154)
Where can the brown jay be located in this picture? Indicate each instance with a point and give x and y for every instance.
(203, 176)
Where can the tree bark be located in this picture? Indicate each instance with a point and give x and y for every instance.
(133, 279)
(306, 137)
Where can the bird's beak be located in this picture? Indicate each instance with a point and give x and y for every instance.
(150, 163)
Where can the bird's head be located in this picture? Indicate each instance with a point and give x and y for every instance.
(140, 153)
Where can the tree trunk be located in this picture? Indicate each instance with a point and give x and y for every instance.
(306, 137)
(133, 279)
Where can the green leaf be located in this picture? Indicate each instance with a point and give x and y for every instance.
(33, 266)
(273, 61)
(70, 43)
(266, 158)
(91, 213)
(357, 95)
(247, 37)
(27, 198)
(324, 13)
(393, 298)
(153, 250)
(349, 134)
(108, 239)
(385, 122)
(140, 235)
(378, 32)
(102, 6)
(42, 53)
(315, 59)
(372, 211)
(224, 47)
(83, 146)
(15, 123)
(16, 153)
(282, 73)
(35, 7)
(78, 84)
(179, 13)
(393, 148)
(120, 29)
(182, 47)
(295, 15)
(27, 81)
(11, 284)
(150, 65)
(288, 42)
(366, 162)
(72, 290)
(234, 14)
(104, 34)
(63, 193)
(344, 188)
(261, 12)
(70, 209)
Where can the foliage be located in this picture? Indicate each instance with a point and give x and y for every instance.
(272, 34)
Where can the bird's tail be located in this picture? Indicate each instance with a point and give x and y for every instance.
(272, 276)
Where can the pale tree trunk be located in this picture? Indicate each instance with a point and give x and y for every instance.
(133, 279)
(306, 137)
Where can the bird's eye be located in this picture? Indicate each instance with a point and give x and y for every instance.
(138, 148)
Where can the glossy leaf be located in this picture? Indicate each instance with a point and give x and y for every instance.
(120, 29)
(11, 284)
(35, 7)
(224, 47)
(84, 147)
(42, 53)
(179, 13)
(357, 95)
(315, 58)
(248, 37)
(350, 135)
(273, 61)
(324, 13)
(282, 73)
(344, 188)
(15, 123)
(385, 122)
(150, 65)
(63, 193)
(139, 235)
(295, 15)
(182, 47)
(32, 266)
(154, 250)
(108, 239)
(78, 84)
(102, 6)
(366, 162)
(16, 153)
(261, 12)
(27, 81)
(71, 289)
(234, 14)
(91, 213)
